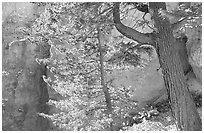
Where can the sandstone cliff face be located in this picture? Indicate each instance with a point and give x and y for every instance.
(24, 91)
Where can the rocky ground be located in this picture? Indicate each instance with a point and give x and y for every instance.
(164, 121)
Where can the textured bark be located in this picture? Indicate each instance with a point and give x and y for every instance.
(182, 104)
(183, 54)
(171, 61)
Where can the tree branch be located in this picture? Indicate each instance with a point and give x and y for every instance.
(175, 26)
(127, 31)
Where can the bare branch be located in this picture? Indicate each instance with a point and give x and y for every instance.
(127, 31)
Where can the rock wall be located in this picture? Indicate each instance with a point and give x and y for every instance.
(24, 93)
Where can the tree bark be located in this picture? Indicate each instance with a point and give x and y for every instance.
(182, 104)
(103, 84)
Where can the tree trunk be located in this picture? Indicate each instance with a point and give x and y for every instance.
(103, 84)
(182, 104)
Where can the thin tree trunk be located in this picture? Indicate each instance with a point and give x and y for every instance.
(182, 104)
(103, 84)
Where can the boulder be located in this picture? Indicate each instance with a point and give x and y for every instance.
(194, 47)
(147, 82)
(149, 86)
